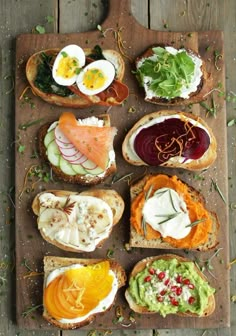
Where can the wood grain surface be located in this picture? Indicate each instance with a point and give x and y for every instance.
(137, 39)
(180, 16)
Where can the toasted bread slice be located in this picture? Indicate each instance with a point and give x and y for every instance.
(52, 263)
(201, 163)
(137, 239)
(73, 100)
(200, 94)
(111, 197)
(84, 179)
(210, 307)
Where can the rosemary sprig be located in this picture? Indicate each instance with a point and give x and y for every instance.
(119, 179)
(172, 201)
(30, 123)
(217, 56)
(146, 195)
(169, 217)
(212, 110)
(217, 188)
(30, 310)
(195, 222)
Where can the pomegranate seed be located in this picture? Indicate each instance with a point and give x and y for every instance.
(151, 271)
(191, 286)
(161, 275)
(186, 281)
(179, 291)
(167, 282)
(163, 292)
(148, 278)
(174, 302)
(179, 278)
(173, 288)
(191, 300)
(160, 299)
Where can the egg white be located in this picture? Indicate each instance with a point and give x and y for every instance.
(72, 51)
(107, 69)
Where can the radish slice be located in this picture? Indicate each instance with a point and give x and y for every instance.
(74, 160)
(63, 145)
(60, 136)
(70, 152)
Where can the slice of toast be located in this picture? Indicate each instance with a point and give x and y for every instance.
(84, 179)
(73, 100)
(138, 240)
(209, 309)
(202, 163)
(111, 197)
(52, 263)
(204, 87)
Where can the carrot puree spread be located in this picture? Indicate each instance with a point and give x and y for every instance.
(198, 233)
(77, 291)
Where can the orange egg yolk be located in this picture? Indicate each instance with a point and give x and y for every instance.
(68, 67)
(94, 79)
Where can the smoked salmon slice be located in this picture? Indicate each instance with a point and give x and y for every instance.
(93, 141)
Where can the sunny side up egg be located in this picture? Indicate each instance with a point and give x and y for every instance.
(68, 64)
(96, 77)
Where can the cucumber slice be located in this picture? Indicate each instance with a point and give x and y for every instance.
(50, 136)
(92, 171)
(78, 169)
(66, 167)
(53, 153)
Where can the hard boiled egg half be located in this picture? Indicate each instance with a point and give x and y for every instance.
(68, 64)
(95, 77)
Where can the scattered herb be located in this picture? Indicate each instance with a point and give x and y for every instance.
(110, 253)
(25, 264)
(231, 97)
(217, 188)
(30, 310)
(29, 123)
(217, 57)
(232, 122)
(233, 298)
(212, 110)
(132, 109)
(207, 264)
(11, 78)
(168, 217)
(198, 177)
(116, 178)
(232, 262)
(196, 222)
(49, 19)
(166, 25)
(64, 54)
(21, 149)
(40, 29)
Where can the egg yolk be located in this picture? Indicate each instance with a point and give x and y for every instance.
(68, 67)
(94, 79)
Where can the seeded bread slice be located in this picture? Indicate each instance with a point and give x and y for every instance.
(137, 240)
(78, 178)
(200, 94)
(202, 163)
(142, 264)
(73, 101)
(111, 197)
(51, 263)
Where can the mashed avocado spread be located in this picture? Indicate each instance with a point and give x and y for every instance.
(168, 287)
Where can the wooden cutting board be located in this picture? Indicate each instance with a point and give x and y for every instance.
(31, 248)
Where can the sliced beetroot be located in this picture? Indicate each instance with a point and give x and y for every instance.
(173, 137)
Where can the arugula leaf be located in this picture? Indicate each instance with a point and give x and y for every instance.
(166, 74)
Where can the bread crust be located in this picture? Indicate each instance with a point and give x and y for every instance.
(111, 197)
(73, 101)
(142, 264)
(200, 94)
(137, 240)
(51, 263)
(202, 163)
(74, 179)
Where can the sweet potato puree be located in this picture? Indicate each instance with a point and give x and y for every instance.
(198, 234)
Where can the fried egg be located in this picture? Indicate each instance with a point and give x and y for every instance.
(68, 64)
(96, 77)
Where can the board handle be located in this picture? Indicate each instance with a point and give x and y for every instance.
(118, 13)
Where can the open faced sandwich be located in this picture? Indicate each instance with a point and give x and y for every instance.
(76, 291)
(77, 222)
(171, 139)
(169, 284)
(168, 213)
(173, 76)
(76, 77)
(79, 151)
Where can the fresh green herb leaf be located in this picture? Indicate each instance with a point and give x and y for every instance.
(40, 29)
(110, 253)
(217, 188)
(64, 54)
(21, 149)
(30, 310)
(50, 19)
(231, 122)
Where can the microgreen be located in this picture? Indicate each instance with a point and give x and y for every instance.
(21, 149)
(49, 19)
(110, 253)
(169, 73)
(40, 29)
(29, 123)
(64, 54)
(231, 122)
(30, 310)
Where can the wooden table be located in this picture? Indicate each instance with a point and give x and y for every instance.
(66, 16)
